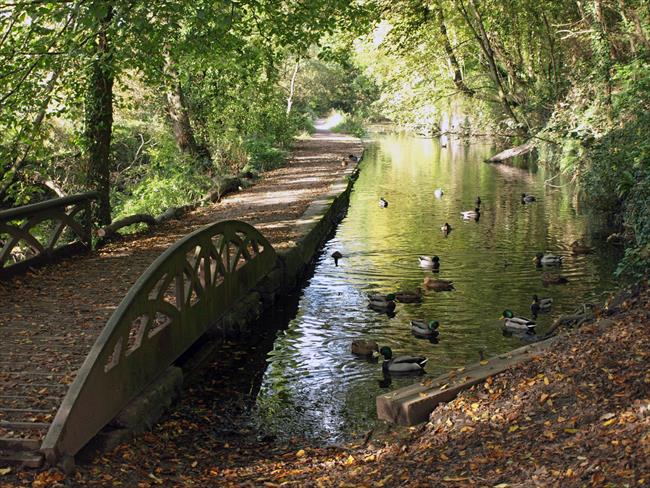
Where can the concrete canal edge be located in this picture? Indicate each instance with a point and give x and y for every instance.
(413, 404)
(313, 227)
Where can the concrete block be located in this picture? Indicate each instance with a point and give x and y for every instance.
(413, 404)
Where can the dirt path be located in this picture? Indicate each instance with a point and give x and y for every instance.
(49, 319)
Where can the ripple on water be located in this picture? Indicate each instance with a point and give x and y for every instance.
(314, 386)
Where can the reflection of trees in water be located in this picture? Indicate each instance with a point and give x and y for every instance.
(382, 245)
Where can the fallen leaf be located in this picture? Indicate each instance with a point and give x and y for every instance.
(5, 471)
(300, 453)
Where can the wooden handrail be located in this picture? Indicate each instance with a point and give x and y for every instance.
(184, 292)
(24, 246)
(34, 208)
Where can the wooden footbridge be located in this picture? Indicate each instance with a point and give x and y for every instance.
(60, 384)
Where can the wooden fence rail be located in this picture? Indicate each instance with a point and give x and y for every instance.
(23, 244)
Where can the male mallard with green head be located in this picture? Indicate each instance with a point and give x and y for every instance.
(401, 364)
(424, 329)
(516, 323)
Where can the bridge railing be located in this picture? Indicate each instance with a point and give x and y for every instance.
(184, 292)
(33, 234)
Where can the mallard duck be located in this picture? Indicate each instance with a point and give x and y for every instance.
(409, 296)
(429, 262)
(516, 323)
(578, 247)
(364, 347)
(401, 364)
(444, 140)
(547, 259)
(540, 305)
(446, 228)
(424, 329)
(438, 285)
(438, 192)
(471, 214)
(382, 303)
(527, 198)
(336, 255)
(353, 158)
(383, 203)
(378, 297)
(554, 279)
(478, 201)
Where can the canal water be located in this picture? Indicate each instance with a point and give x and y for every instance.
(314, 387)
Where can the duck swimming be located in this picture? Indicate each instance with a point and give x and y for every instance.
(554, 279)
(527, 198)
(409, 296)
(438, 192)
(424, 329)
(516, 323)
(540, 305)
(478, 201)
(578, 247)
(547, 259)
(446, 228)
(364, 347)
(336, 255)
(471, 214)
(429, 262)
(438, 285)
(382, 303)
(401, 364)
(353, 158)
(383, 203)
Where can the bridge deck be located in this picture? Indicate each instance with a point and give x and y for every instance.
(50, 318)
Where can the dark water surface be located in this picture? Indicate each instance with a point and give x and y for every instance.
(314, 386)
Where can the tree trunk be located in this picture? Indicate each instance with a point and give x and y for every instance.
(292, 87)
(99, 119)
(451, 56)
(179, 114)
(486, 47)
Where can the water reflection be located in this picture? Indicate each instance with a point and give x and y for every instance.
(314, 386)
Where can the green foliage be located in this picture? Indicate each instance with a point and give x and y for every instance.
(350, 125)
(164, 184)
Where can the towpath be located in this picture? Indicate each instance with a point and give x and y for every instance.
(50, 318)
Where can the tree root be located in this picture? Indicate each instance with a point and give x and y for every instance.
(577, 319)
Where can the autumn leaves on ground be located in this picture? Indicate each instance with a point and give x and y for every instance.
(577, 416)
